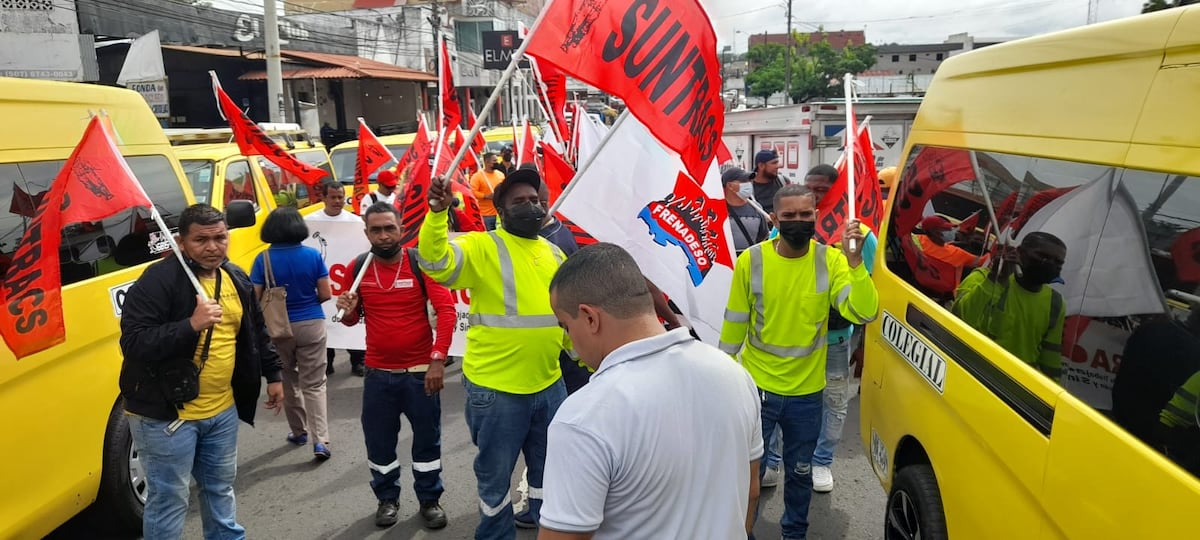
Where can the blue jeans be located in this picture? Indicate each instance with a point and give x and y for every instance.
(205, 449)
(774, 450)
(489, 222)
(386, 396)
(837, 398)
(800, 418)
(502, 426)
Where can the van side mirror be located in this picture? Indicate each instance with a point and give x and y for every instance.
(239, 214)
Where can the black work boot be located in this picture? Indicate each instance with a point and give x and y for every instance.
(385, 516)
(434, 516)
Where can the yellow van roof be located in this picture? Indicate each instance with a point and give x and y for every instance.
(1130, 80)
(403, 138)
(212, 151)
(54, 114)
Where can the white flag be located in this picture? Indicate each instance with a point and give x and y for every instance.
(635, 195)
(591, 134)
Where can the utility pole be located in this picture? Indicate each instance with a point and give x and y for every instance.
(275, 104)
(787, 81)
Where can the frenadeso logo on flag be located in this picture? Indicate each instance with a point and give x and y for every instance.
(691, 221)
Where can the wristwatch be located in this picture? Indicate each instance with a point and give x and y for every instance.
(437, 357)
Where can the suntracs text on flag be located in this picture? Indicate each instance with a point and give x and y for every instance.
(659, 56)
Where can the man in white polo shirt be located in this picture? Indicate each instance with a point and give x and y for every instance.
(613, 467)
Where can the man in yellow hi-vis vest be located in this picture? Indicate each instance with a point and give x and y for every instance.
(776, 322)
(510, 369)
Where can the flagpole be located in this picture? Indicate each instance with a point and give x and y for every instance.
(357, 281)
(441, 124)
(849, 155)
(162, 225)
(579, 172)
(504, 78)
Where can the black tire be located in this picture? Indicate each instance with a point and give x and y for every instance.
(118, 508)
(914, 506)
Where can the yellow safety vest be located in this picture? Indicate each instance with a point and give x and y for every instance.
(778, 310)
(514, 340)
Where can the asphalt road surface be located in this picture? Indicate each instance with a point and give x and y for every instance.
(283, 493)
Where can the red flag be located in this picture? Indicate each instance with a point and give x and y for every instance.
(932, 171)
(659, 57)
(415, 203)
(558, 172)
(451, 109)
(24, 204)
(868, 199)
(528, 149)
(253, 142)
(421, 146)
(95, 183)
(472, 162)
(372, 155)
(968, 225)
(723, 154)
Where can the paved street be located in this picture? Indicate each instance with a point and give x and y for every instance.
(283, 493)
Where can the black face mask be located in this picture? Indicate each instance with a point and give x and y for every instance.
(524, 220)
(1037, 272)
(386, 252)
(797, 233)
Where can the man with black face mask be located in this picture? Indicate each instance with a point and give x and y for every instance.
(511, 367)
(776, 321)
(1013, 306)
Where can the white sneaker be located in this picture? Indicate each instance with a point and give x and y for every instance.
(771, 478)
(822, 479)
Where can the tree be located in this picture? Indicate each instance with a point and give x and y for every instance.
(815, 67)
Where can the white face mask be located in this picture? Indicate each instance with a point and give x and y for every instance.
(746, 190)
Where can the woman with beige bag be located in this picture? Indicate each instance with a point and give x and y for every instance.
(291, 282)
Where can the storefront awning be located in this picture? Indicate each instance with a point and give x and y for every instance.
(337, 66)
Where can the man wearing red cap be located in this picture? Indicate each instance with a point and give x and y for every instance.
(387, 188)
(933, 239)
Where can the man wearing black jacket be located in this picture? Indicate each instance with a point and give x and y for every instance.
(191, 370)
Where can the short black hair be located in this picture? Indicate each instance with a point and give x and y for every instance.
(792, 190)
(199, 214)
(605, 276)
(528, 166)
(1038, 239)
(828, 171)
(383, 207)
(489, 155)
(324, 187)
(284, 225)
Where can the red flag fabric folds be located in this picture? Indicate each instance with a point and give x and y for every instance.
(868, 198)
(659, 57)
(372, 155)
(95, 183)
(451, 107)
(253, 142)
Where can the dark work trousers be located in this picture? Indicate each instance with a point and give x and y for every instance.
(387, 396)
(356, 357)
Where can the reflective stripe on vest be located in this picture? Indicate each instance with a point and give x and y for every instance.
(508, 279)
(459, 262)
(756, 292)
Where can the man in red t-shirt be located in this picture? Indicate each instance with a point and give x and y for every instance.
(404, 365)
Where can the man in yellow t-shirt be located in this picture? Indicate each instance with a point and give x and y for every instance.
(185, 424)
(483, 184)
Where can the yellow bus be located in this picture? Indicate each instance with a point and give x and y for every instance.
(1089, 135)
(71, 445)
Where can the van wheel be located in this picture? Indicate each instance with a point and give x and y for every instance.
(914, 506)
(122, 496)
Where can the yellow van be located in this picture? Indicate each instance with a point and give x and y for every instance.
(218, 173)
(1089, 135)
(342, 156)
(68, 441)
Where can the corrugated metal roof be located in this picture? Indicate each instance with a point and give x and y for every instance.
(204, 50)
(306, 73)
(338, 66)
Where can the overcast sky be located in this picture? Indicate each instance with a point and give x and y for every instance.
(909, 21)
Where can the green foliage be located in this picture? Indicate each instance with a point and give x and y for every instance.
(815, 67)
(1158, 5)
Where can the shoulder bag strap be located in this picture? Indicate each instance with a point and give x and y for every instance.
(209, 334)
(416, 270)
(267, 266)
(742, 227)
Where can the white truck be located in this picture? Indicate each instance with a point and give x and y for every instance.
(812, 133)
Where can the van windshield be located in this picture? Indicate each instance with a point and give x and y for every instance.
(343, 161)
(199, 174)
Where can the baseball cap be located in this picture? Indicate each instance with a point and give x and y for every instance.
(528, 177)
(936, 224)
(387, 178)
(734, 174)
(765, 156)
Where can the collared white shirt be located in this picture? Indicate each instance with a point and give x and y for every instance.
(346, 215)
(658, 444)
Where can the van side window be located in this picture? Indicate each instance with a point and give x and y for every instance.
(286, 188)
(95, 248)
(1091, 280)
(239, 183)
